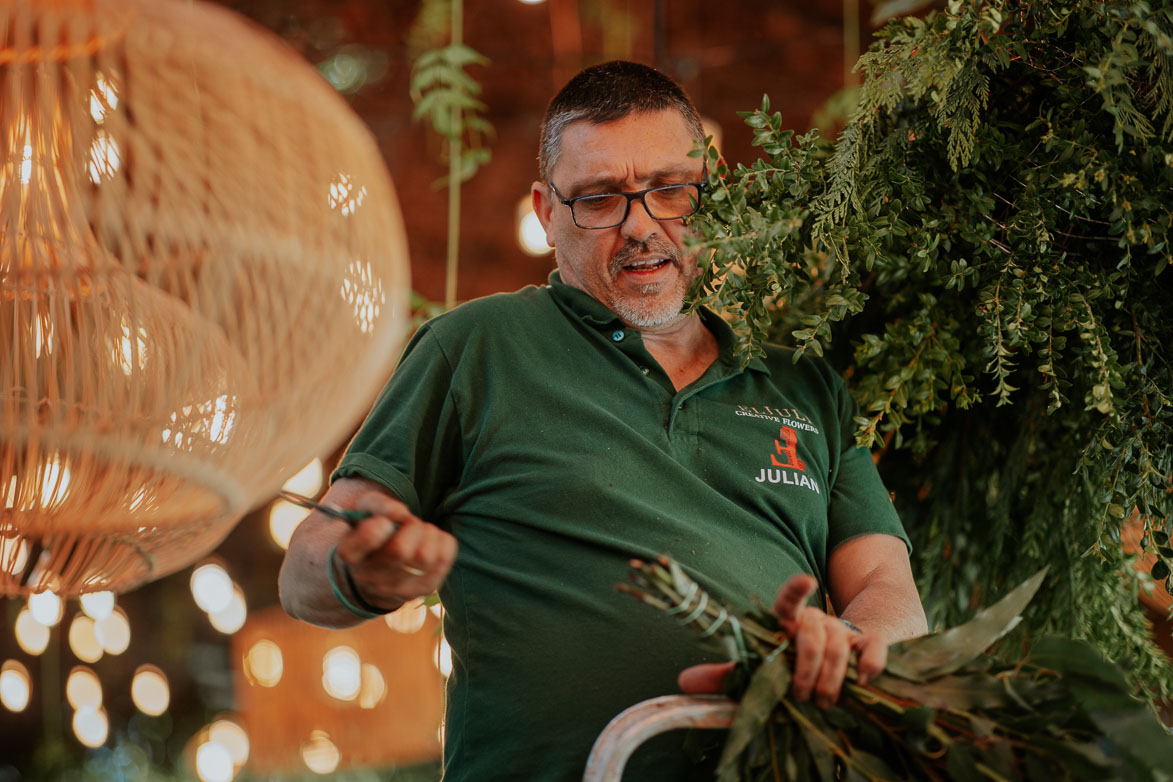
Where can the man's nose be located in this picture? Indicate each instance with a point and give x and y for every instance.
(639, 224)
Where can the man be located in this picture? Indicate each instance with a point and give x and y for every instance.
(549, 435)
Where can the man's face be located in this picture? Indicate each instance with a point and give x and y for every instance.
(638, 269)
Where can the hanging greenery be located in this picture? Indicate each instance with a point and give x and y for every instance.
(986, 248)
(446, 97)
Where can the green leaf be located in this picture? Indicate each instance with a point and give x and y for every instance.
(962, 764)
(1075, 658)
(964, 692)
(817, 737)
(1083, 760)
(934, 655)
(1136, 731)
(872, 766)
(768, 686)
(461, 55)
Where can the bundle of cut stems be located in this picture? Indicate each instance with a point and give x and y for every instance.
(942, 710)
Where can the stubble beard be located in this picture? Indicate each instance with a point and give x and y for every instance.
(653, 305)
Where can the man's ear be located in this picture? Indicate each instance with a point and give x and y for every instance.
(543, 207)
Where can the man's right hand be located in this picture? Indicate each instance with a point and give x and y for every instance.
(392, 555)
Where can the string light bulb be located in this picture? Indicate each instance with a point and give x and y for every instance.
(83, 639)
(113, 632)
(342, 673)
(531, 236)
(46, 608)
(91, 726)
(211, 586)
(150, 691)
(15, 685)
(31, 635)
(214, 762)
(97, 605)
(320, 754)
(83, 689)
(231, 618)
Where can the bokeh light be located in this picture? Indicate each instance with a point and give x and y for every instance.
(15, 685)
(319, 753)
(83, 639)
(308, 480)
(14, 551)
(31, 635)
(211, 586)
(263, 663)
(150, 691)
(443, 657)
(374, 687)
(531, 236)
(408, 619)
(214, 762)
(97, 605)
(232, 617)
(45, 607)
(113, 632)
(232, 737)
(91, 726)
(342, 673)
(82, 689)
(284, 517)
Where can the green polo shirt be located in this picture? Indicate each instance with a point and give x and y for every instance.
(540, 432)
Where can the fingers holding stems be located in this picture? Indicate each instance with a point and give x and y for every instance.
(704, 678)
(824, 645)
(791, 600)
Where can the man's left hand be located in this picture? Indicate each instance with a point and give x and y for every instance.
(823, 648)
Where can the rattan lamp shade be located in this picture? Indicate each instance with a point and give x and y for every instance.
(203, 282)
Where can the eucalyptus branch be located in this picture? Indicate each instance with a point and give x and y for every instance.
(943, 708)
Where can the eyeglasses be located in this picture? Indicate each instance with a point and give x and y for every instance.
(607, 210)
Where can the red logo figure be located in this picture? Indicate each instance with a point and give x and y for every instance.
(789, 450)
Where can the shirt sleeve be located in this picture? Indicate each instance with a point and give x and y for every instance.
(860, 505)
(410, 442)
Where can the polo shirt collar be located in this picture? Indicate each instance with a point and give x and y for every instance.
(595, 313)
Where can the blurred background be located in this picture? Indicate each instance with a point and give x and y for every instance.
(200, 675)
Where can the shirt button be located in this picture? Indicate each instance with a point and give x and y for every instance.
(645, 370)
(617, 336)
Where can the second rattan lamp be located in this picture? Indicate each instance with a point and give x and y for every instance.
(203, 282)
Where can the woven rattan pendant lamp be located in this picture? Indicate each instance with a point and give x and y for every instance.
(203, 282)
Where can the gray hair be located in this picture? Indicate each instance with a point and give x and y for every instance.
(605, 93)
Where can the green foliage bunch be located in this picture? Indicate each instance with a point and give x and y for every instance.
(942, 709)
(995, 220)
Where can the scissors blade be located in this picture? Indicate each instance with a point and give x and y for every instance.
(351, 517)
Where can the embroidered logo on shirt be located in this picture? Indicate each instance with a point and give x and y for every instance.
(792, 469)
(789, 451)
(788, 416)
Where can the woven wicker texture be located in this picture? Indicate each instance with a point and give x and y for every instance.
(203, 282)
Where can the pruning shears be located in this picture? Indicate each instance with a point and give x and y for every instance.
(351, 517)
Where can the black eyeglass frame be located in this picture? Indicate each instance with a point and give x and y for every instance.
(639, 194)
